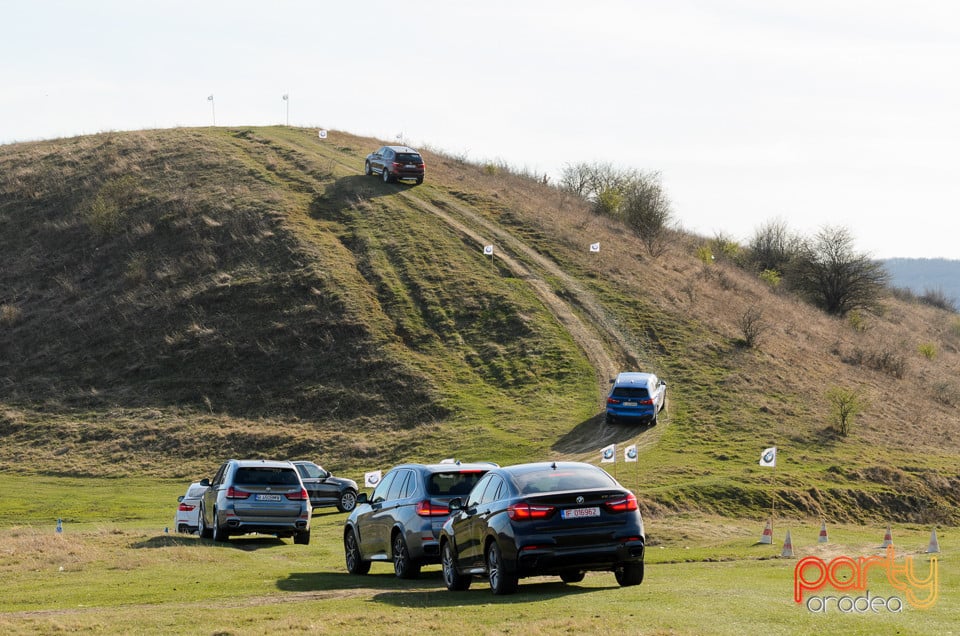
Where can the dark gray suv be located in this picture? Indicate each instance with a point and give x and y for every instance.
(255, 495)
(401, 520)
(325, 489)
(395, 162)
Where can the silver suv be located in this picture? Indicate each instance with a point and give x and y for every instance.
(255, 495)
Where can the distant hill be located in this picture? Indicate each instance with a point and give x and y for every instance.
(921, 275)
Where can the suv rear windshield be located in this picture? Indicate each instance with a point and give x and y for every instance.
(452, 484)
(408, 157)
(630, 392)
(264, 476)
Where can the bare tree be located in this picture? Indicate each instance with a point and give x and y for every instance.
(646, 210)
(752, 326)
(773, 246)
(845, 405)
(833, 276)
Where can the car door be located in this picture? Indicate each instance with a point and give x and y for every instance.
(377, 160)
(368, 518)
(479, 507)
(210, 496)
(314, 479)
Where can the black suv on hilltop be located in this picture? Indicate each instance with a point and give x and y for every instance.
(395, 162)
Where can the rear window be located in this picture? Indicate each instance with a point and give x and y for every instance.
(630, 392)
(551, 480)
(408, 157)
(452, 484)
(266, 476)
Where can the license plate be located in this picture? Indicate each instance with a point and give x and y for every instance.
(269, 498)
(629, 403)
(410, 165)
(580, 513)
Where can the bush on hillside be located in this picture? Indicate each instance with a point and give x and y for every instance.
(845, 405)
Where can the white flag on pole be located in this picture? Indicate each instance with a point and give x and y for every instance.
(769, 457)
(210, 98)
(488, 250)
(630, 453)
(371, 479)
(608, 454)
(595, 247)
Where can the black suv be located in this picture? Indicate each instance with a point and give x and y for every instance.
(395, 162)
(401, 520)
(254, 495)
(325, 489)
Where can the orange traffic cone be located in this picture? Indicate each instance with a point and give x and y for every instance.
(823, 533)
(887, 539)
(767, 536)
(787, 546)
(934, 544)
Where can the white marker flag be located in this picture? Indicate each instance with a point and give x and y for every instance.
(371, 479)
(594, 247)
(630, 453)
(323, 134)
(769, 457)
(608, 454)
(488, 250)
(210, 98)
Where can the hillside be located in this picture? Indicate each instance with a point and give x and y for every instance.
(170, 298)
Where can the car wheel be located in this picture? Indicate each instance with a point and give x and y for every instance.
(367, 170)
(454, 581)
(386, 175)
(653, 420)
(302, 538)
(351, 553)
(220, 533)
(182, 528)
(629, 574)
(348, 500)
(419, 180)
(572, 576)
(500, 581)
(202, 529)
(609, 419)
(403, 565)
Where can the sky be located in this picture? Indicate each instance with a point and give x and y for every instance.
(816, 113)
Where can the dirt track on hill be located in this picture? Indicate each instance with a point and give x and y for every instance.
(584, 319)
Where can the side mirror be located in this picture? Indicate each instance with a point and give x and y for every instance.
(455, 505)
(362, 498)
(180, 498)
(662, 383)
(204, 482)
(612, 380)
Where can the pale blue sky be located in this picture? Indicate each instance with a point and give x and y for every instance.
(816, 112)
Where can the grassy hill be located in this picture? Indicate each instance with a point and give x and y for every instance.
(171, 298)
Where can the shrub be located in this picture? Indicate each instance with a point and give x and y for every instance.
(937, 298)
(752, 326)
(724, 247)
(608, 201)
(771, 277)
(845, 405)
(705, 254)
(928, 350)
(857, 320)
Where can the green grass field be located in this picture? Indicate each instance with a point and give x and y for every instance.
(113, 570)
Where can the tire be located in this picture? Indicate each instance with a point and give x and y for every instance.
(302, 538)
(348, 500)
(572, 576)
(182, 528)
(352, 556)
(501, 582)
(653, 420)
(609, 419)
(629, 574)
(220, 534)
(419, 180)
(202, 529)
(367, 170)
(403, 565)
(386, 175)
(454, 581)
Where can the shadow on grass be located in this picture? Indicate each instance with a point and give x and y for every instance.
(427, 590)
(590, 434)
(247, 543)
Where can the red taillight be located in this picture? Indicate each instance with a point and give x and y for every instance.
(611, 400)
(526, 512)
(622, 504)
(298, 496)
(648, 402)
(233, 493)
(428, 509)
(185, 507)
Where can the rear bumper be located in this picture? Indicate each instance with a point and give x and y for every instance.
(643, 415)
(553, 560)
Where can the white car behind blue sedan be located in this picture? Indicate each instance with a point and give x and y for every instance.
(187, 518)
